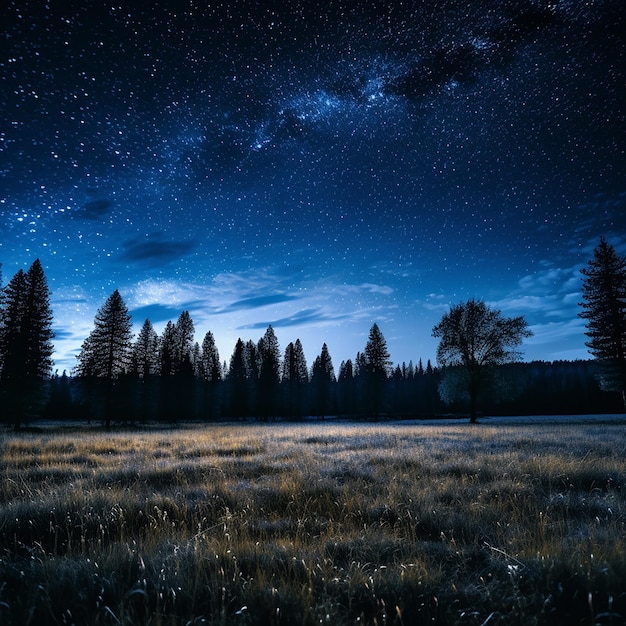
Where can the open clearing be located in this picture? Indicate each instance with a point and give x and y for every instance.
(505, 522)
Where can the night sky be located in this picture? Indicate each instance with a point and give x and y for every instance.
(319, 166)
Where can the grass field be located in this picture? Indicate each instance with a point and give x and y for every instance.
(315, 524)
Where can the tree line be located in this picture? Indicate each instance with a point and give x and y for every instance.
(171, 376)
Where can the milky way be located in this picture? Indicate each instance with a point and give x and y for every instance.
(318, 166)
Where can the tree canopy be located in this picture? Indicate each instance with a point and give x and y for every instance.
(474, 338)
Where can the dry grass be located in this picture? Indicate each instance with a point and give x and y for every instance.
(297, 524)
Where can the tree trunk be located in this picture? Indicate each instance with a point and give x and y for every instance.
(473, 395)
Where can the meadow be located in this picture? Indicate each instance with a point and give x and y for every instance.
(324, 523)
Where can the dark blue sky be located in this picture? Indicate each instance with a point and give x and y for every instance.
(319, 166)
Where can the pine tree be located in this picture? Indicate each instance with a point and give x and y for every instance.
(346, 390)
(604, 304)
(184, 331)
(106, 352)
(210, 368)
(268, 355)
(167, 352)
(25, 340)
(295, 378)
(377, 369)
(237, 379)
(323, 383)
(38, 325)
(12, 340)
(145, 353)
(211, 375)
(145, 367)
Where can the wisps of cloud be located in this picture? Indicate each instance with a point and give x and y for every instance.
(304, 317)
(159, 312)
(259, 301)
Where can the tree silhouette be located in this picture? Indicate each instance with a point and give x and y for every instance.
(268, 357)
(295, 379)
(167, 350)
(604, 304)
(25, 341)
(377, 366)
(145, 351)
(183, 342)
(237, 380)
(474, 339)
(346, 390)
(106, 353)
(145, 367)
(323, 383)
(210, 372)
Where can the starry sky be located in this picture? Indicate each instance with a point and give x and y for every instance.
(319, 166)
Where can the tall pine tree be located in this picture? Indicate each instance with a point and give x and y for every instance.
(145, 368)
(295, 379)
(106, 353)
(25, 343)
(323, 383)
(377, 369)
(210, 371)
(237, 380)
(604, 304)
(145, 353)
(268, 356)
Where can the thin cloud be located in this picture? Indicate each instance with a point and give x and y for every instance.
(156, 251)
(555, 331)
(259, 301)
(94, 209)
(157, 312)
(305, 317)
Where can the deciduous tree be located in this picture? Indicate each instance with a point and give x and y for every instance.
(475, 339)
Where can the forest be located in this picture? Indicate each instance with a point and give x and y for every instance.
(172, 377)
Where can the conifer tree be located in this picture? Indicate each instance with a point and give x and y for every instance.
(145, 353)
(323, 383)
(211, 374)
(377, 369)
(237, 380)
(211, 368)
(346, 388)
(184, 331)
(145, 367)
(25, 341)
(12, 311)
(268, 356)
(295, 378)
(106, 352)
(604, 304)
(167, 350)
